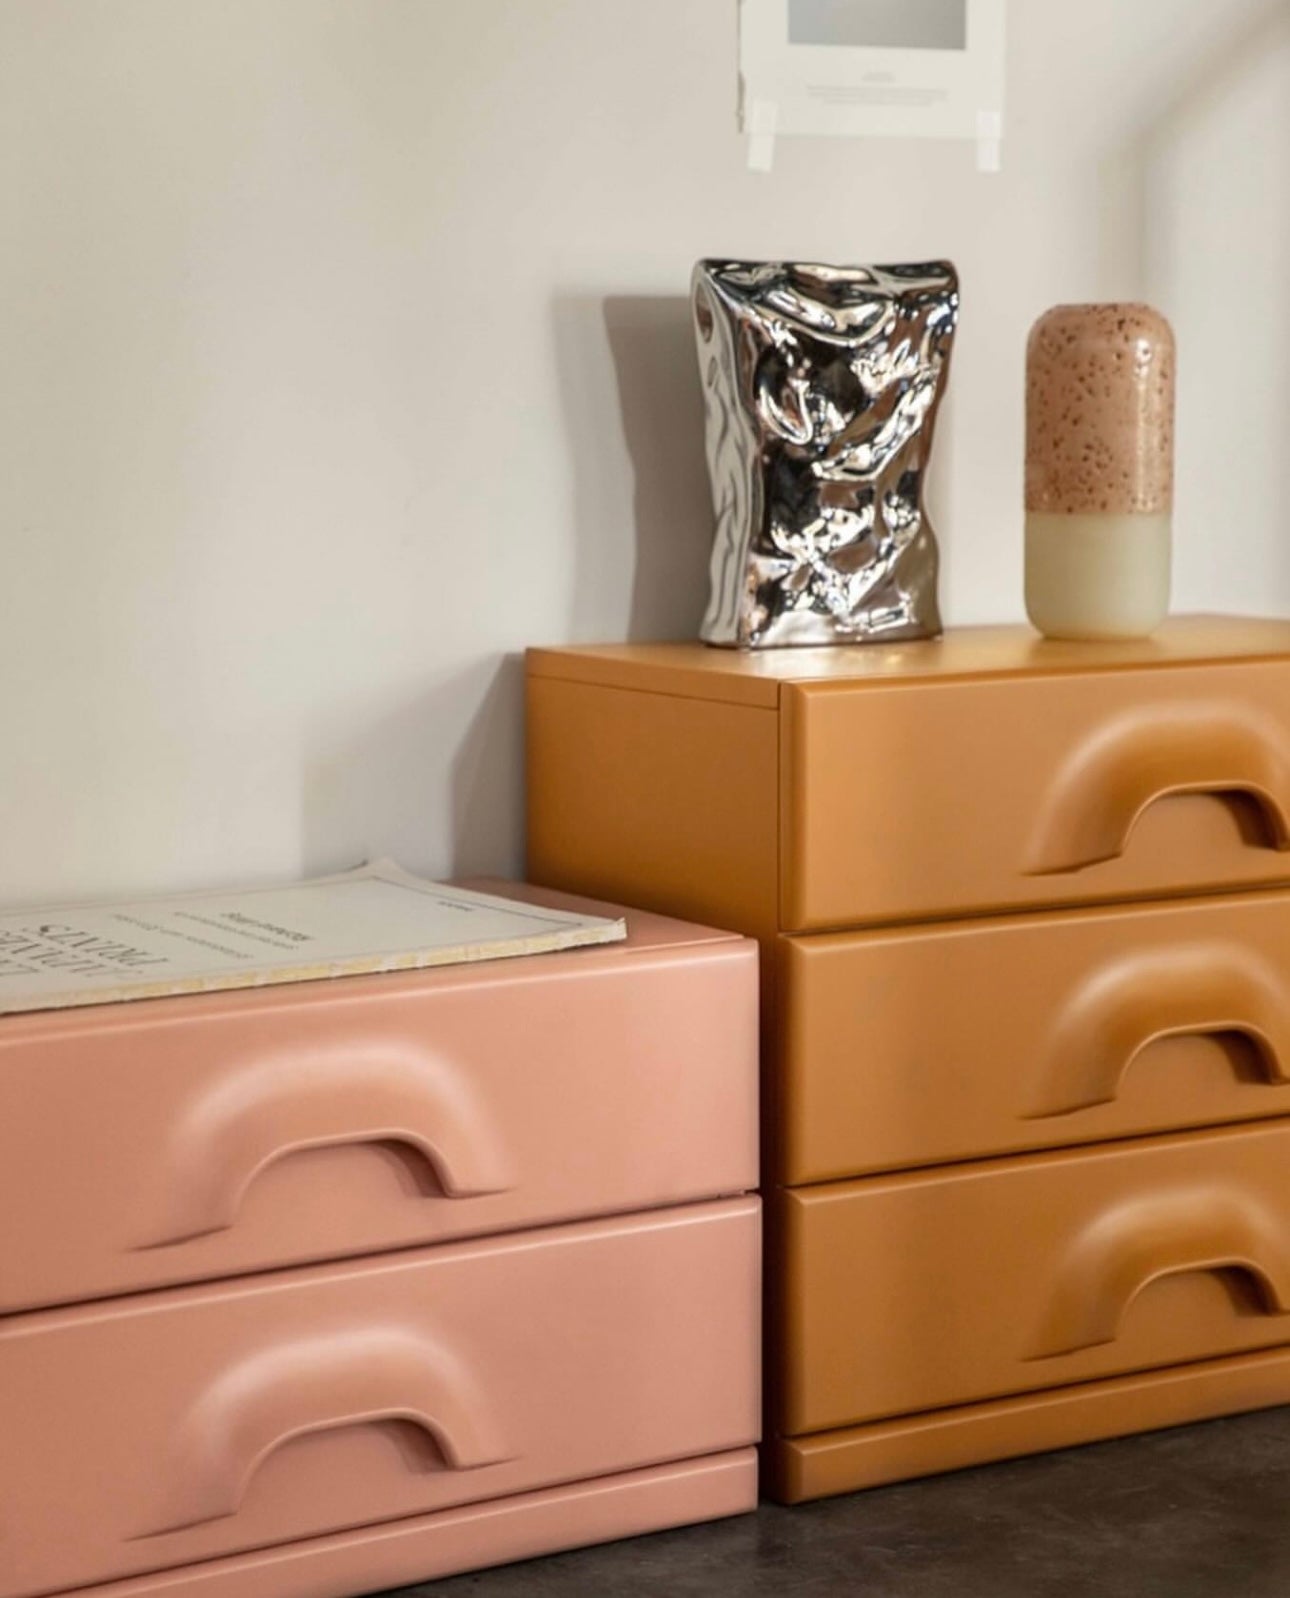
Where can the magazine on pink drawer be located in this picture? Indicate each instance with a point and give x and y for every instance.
(376, 918)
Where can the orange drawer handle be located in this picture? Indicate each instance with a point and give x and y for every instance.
(284, 1103)
(1148, 755)
(1144, 1240)
(1194, 990)
(357, 1378)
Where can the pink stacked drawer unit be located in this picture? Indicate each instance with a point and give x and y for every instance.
(318, 1290)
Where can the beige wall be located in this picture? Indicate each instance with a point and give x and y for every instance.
(345, 353)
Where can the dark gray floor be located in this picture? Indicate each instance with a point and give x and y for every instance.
(1201, 1512)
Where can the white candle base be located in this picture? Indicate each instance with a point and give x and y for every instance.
(1097, 576)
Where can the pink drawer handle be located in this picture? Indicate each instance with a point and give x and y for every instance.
(284, 1103)
(1144, 1240)
(1149, 755)
(356, 1378)
(1196, 990)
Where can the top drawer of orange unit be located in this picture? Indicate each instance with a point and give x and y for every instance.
(984, 772)
(944, 799)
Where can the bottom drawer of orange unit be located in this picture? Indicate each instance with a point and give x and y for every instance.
(853, 1457)
(908, 1294)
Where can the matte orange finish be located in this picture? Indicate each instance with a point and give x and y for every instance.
(919, 1292)
(180, 1139)
(672, 800)
(919, 1045)
(982, 936)
(1002, 1428)
(956, 799)
(427, 1547)
(173, 1428)
(695, 671)
(933, 779)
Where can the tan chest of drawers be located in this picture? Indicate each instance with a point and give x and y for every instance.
(1026, 962)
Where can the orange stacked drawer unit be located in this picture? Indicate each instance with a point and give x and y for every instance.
(1026, 973)
(322, 1289)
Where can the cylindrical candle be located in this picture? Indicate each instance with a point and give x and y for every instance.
(1099, 470)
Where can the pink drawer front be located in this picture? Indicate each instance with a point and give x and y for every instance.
(187, 1425)
(185, 1139)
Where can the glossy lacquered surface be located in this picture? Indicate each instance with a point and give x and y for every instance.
(169, 1429)
(949, 1042)
(181, 1139)
(915, 1293)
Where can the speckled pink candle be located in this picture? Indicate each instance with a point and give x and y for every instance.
(1099, 470)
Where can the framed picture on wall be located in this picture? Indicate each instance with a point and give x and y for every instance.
(895, 68)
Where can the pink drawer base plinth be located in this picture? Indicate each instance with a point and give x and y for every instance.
(458, 1540)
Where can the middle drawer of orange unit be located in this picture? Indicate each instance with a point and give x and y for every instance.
(916, 1047)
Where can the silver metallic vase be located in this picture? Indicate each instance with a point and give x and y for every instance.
(821, 385)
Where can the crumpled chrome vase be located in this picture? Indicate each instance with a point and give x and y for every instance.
(822, 385)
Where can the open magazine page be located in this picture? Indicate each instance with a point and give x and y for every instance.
(377, 918)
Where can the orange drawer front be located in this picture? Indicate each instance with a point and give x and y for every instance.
(183, 1139)
(920, 1046)
(912, 1293)
(181, 1426)
(930, 799)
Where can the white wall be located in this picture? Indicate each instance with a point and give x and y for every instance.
(345, 352)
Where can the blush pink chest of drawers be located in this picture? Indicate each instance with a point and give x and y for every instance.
(317, 1290)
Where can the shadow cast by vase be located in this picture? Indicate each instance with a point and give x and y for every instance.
(641, 536)
(642, 529)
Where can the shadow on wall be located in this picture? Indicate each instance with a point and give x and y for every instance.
(487, 780)
(639, 548)
(642, 517)
(378, 787)
(1189, 102)
(1206, 177)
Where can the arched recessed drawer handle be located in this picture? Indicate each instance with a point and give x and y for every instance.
(287, 1102)
(1207, 990)
(1149, 755)
(1144, 1240)
(363, 1377)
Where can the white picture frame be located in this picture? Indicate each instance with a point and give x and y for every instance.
(835, 68)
